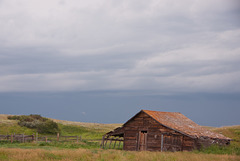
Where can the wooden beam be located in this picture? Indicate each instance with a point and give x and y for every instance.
(161, 142)
(119, 144)
(114, 144)
(110, 144)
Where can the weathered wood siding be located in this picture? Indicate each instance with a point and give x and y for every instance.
(205, 142)
(188, 143)
(143, 122)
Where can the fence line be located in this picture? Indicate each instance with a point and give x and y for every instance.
(17, 137)
(47, 138)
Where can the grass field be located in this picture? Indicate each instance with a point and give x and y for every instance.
(106, 155)
(68, 128)
(87, 150)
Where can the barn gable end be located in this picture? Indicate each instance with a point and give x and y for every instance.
(142, 122)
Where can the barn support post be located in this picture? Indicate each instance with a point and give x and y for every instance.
(114, 144)
(161, 142)
(105, 144)
(119, 144)
(103, 139)
(110, 143)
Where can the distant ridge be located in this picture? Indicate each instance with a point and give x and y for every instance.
(229, 131)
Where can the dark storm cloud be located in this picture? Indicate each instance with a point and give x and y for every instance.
(127, 45)
(66, 58)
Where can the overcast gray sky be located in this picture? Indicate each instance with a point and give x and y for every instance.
(109, 51)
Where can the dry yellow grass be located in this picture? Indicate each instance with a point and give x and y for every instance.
(4, 119)
(3, 116)
(117, 155)
(229, 131)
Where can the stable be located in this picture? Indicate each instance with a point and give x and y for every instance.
(162, 131)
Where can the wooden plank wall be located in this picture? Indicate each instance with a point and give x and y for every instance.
(143, 122)
(188, 143)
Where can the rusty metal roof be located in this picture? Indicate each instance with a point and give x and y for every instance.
(182, 124)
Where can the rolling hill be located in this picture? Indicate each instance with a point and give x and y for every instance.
(95, 130)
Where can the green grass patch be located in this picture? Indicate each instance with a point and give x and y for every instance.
(233, 149)
(51, 145)
(3, 155)
(85, 133)
(66, 130)
(15, 128)
(51, 156)
(68, 145)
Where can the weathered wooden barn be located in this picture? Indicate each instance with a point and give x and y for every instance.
(162, 131)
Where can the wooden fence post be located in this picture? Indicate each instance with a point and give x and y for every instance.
(46, 139)
(36, 136)
(77, 139)
(11, 138)
(32, 137)
(57, 136)
(23, 138)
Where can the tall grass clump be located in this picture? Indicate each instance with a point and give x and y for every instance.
(216, 149)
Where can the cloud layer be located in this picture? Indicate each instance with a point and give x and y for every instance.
(163, 46)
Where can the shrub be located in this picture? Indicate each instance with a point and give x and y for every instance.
(13, 117)
(49, 127)
(41, 124)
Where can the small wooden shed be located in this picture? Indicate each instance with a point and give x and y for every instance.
(162, 131)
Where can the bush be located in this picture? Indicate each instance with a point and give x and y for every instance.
(13, 117)
(41, 124)
(49, 127)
